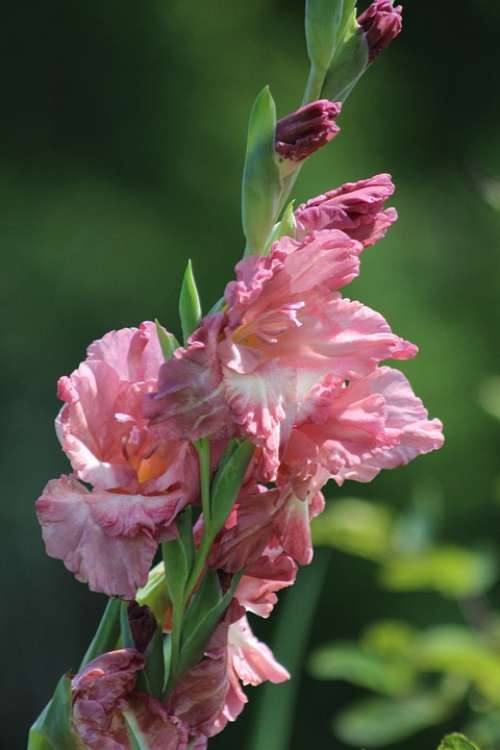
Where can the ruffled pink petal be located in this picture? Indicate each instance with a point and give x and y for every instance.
(190, 402)
(257, 589)
(133, 353)
(107, 540)
(356, 208)
(260, 403)
(252, 660)
(407, 424)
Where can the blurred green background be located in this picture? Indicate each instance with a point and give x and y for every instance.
(121, 149)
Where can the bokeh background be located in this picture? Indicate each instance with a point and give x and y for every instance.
(121, 146)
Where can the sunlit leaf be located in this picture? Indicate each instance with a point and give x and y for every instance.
(189, 303)
(380, 721)
(154, 593)
(456, 650)
(356, 526)
(390, 638)
(457, 742)
(347, 661)
(455, 572)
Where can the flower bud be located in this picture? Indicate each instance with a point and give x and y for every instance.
(142, 625)
(381, 23)
(304, 131)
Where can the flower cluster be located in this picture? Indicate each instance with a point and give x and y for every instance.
(218, 451)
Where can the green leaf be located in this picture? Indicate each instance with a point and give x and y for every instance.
(52, 730)
(323, 23)
(136, 737)
(107, 633)
(346, 661)
(204, 599)
(377, 722)
(355, 526)
(125, 631)
(390, 638)
(287, 227)
(261, 187)
(194, 645)
(349, 63)
(485, 730)
(168, 342)
(452, 571)
(457, 742)
(189, 303)
(489, 395)
(227, 482)
(155, 593)
(152, 678)
(178, 558)
(456, 650)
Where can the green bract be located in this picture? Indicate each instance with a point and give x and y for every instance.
(52, 729)
(189, 303)
(261, 187)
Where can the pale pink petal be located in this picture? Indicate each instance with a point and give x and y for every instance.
(407, 423)
(252, 660)
(189, 402)
(133, 353)
(259, 403)
(257, 589)
(356, 208)
(294, 529)
(106, 539)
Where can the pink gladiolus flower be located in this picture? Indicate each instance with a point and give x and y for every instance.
(257, 588)
(103, 690)
(357, 208)
(381, 23)
(108, 536)
(301, 133)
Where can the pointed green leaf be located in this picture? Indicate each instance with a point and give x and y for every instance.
(168, 342)
(152, 677)
(261, 187)
(52, 730)
(349, 63)
(178, 558)
(189, 303)
(323, 24)
(136, 737)
(457, 742)
(204, 599)
(227, 482)
(107, 633)
(194, 645)
(127, 638)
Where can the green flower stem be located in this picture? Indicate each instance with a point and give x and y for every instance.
(107, 633)
(314, 86)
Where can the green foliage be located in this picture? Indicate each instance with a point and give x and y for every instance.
(347, 661)
(262, 185)
(452, 571)
(489, 395)
(356, 526)
(168, 342)
(178, 556)
(389, 638)
(189, 303)
(155, 593)
(106, 634)
(152, 678)
(349, 63)
(286, 227)
(228, 480)
(323, 25)
(376, 722)
(52, 730)
(457, 742)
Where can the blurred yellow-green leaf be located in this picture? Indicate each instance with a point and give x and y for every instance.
(381, 721)
(452, 571)
(489, 395)
(355, 526)
(456, 650)
(347, 661)
(390, 638)
(457, 742)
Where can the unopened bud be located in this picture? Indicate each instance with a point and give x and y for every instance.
(381, 23)
(304, 131)
(142, 625)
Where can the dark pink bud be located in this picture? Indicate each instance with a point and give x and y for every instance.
(142, 625)
(381, 22)
(303, 132)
